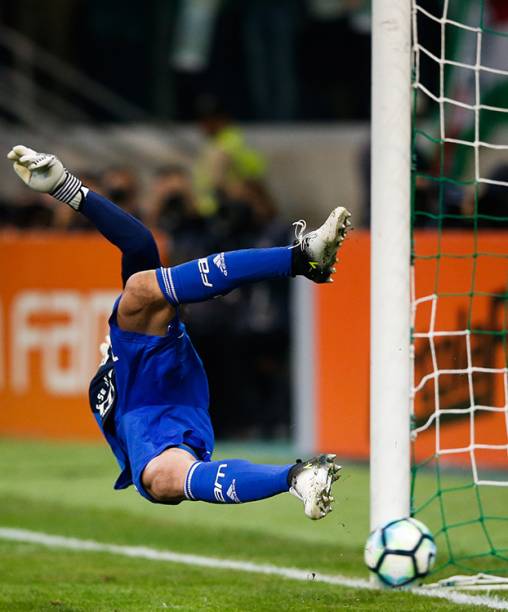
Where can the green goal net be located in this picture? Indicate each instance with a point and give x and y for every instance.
(460, 281)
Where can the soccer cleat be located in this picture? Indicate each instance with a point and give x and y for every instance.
(315, 253)
(311, 482)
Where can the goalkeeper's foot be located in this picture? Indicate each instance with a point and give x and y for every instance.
(311, 482)
(314, 253)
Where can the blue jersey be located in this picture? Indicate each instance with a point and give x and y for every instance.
(149, 395)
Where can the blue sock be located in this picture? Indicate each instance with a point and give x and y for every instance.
(234, 481)
(201, 279)
(139, 251)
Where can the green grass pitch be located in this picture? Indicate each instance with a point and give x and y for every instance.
(66, 489)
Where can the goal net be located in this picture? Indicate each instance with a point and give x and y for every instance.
(459, 254)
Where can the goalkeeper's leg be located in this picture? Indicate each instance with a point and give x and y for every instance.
(313, 256)
(147, 296)
(175, 475)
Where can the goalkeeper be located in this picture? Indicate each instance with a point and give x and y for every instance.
(150, 394)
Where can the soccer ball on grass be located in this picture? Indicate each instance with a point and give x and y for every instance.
(400, 552)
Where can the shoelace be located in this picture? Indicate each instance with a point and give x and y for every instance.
(300, 227)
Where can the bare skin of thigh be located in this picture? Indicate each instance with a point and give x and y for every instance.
(142, 307)
(145, 310)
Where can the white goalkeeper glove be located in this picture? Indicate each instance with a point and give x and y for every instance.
(45, 173)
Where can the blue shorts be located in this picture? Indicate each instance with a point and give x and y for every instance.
(151, 394)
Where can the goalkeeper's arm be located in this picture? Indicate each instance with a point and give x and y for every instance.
(45, 173)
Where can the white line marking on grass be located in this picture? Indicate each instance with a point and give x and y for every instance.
(293, 573)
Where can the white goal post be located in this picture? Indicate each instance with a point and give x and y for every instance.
(459, 260)
(390, 261)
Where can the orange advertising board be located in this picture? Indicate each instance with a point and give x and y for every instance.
(57, 291)
(55, 298)
(342, 336)
(453, 371)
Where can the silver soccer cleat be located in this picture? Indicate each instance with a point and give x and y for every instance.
(316, 251)
(311, 482)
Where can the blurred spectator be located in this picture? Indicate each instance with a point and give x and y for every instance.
(493, 200)
(29, 211)
(248, 215)
(171, 207)
(263, 327)
(434, 202)
(255, 318)
(225, 159)
(121, 185)
(5, 214)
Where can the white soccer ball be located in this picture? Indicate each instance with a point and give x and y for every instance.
(400, 552)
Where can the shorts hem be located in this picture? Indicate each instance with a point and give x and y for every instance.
(138, 477)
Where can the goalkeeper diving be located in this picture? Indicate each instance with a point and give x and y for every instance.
(150, 394)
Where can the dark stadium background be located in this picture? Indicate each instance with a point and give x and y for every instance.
(264, 64)
(292, 47)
